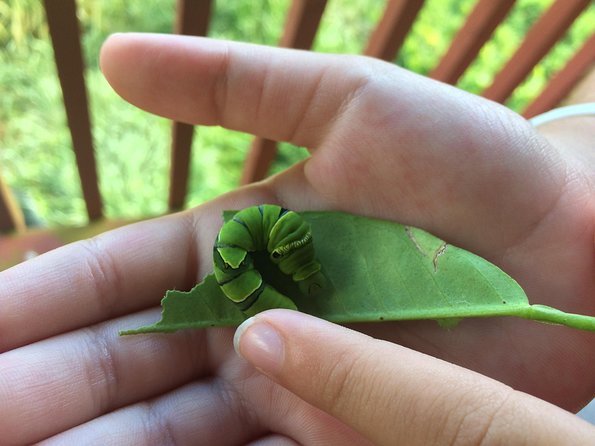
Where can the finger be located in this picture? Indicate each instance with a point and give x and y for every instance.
(113, 274)
(233, 406)
(280, 411)
(206, 413)
(93, 280)
(64, 381)
(402, 146)
(200, 413)
(275, 93)
(393, 395)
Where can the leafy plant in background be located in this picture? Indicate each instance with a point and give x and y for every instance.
(132, 146)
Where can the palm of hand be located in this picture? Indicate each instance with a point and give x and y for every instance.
(480, 177)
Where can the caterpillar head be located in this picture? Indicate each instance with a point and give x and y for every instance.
(277, 254)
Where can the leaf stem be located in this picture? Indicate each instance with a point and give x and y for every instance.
(544, 313)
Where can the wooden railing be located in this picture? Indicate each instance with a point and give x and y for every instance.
(192, 19)
(301, 25)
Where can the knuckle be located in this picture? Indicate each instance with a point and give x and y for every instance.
(101, 367)
(479, 421)
(157, 427)
(341, 382)
(309, 118)
(503, 420)
(100, 266)
(237, 407)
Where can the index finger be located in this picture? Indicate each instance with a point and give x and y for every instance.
(279, 94)
(394, 395)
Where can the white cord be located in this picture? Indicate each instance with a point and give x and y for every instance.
(587, 109)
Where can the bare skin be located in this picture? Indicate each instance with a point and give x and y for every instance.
(385, 143)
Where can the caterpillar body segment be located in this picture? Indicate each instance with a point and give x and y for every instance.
(287, 239)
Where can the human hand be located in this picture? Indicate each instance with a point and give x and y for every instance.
(385, 143)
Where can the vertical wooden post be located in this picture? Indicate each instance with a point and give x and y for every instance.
(192, 18)
(64, 30)
(563, 82)
(397, 20)
(476, 31)
(299, 32)
(550, 27)
(11, 216)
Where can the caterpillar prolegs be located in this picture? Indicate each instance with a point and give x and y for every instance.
(287, 239)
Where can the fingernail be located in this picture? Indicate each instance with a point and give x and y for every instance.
(259, 343)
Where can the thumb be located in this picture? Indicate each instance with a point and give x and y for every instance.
(394, 395)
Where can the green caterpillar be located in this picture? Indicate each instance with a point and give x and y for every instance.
(287, 238)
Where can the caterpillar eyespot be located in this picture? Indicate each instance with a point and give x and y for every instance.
(287, 238)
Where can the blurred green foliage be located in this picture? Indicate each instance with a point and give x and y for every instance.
(132, 146)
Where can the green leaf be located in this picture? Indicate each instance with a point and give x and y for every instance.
(379, 271)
